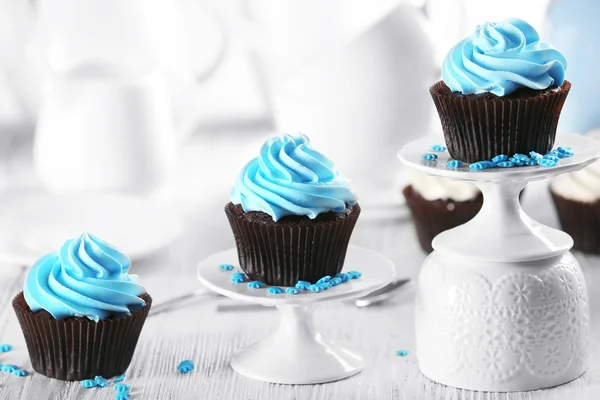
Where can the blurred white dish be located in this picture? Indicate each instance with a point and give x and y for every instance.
(37, 224)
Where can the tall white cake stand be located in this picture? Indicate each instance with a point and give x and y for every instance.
(501, 303)
(296, 353)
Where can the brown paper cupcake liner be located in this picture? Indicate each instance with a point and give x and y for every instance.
(480, 127)
(432, 217)
(75, 349)
(292, 249)
(581, 221)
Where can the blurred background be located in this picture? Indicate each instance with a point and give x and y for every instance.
(132, 118)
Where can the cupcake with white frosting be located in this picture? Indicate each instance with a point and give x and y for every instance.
(438, 204)
(576, 196)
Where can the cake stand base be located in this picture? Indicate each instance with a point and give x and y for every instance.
(297, 353)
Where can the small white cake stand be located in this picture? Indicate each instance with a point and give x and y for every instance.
(296, 353)
(501, 303)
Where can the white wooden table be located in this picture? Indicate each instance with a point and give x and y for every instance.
(209, 336)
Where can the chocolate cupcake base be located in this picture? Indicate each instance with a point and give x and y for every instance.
(293, 248)
(479, 127)
(432, 217)
(581, 221)
(74, 349)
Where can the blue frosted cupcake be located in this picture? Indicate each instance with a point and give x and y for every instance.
(502, 92)
(81, 312)
(292, 214)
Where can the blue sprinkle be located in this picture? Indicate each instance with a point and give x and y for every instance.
(122, 396)
(546, 163)
(274, 290)
(302, 285)
(552, 153)
(499, 158)
(9, 368)
(430, 157)
(530, 162)
(354, 274)
(535, 156)
(291, 290)
(335, 281)
(402, 353)
(315, 288)
(89, 383)
(505, 164)
(120, 378)
(343, 276)
(567, 154)
(520, 156)
(226, 267)
(454, 164)
(238, 277)
(488, 164)
(551, 158)
(4, 348)
(476, 166)
(101, 381)
(255, 284)
(325, 285)
(562, 149)
(122, 388)
(438, 148)
(517, 161)
(185, 366)
(324, 279)
(19, 372)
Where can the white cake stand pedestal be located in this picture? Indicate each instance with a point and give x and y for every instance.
(297, 353)
(501, 304)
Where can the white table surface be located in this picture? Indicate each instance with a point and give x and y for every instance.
(209, 336)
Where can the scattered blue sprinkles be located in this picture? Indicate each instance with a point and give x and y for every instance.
(255, 284)
(430, 157)
(89, 383)
(302, 285)
(454, 164)
(101, 381)
(315, 288)
(9, 368)
(402, 353)
(535, 156)
(343, 276)
(185, 366)
(274, 290)
(291, 290)
(324, 279)
(226, 267)
(238, 277)
(335, 281)
(477, 166)
(4, 348)
(122, 388)
(122, 396)
(120, 378)
(325, 285)
(354, 274)
(500, 158)
(505, 164)
(438, 148)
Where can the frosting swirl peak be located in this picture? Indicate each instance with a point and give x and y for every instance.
(87, 277)
(289, 177)
(502, 57)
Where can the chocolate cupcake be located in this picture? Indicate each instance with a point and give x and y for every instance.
(502, 92)
(439, 204)
(291, 213)
(576, 196)
(81, 312)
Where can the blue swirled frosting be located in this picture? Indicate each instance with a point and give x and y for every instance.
(501, 58)
(289, 177)
(87, 277)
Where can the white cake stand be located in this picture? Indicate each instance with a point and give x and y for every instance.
(296, 353)
(501, 303)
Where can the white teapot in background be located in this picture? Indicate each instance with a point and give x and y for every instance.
(117, 79)
(352, 75)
